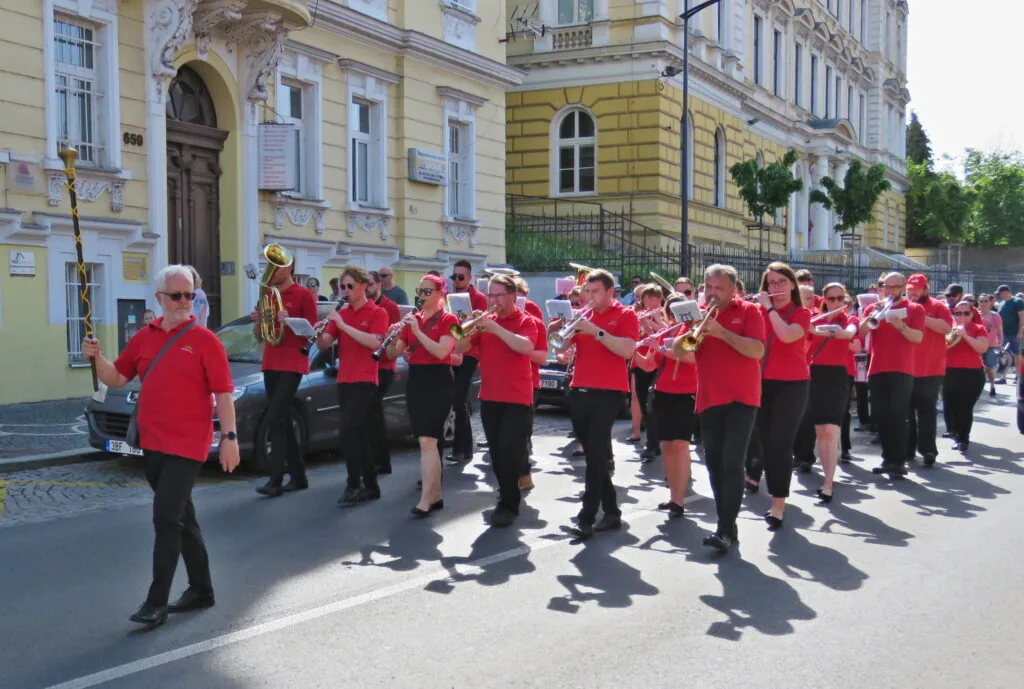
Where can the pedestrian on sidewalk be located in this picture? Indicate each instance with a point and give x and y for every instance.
(175, 422)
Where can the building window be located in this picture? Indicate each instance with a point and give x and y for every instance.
(849, 103)
(849, 25)
(828, 92)
(861, 131)
(798, 74)
(777, 63)
(73, 306)
(839, 11)
(720, 29)
(79, 97)
(291, 109)
(459, 202)
(464, 5)
(839, 96)
(814, 84)
(758, 48)
(899, 46)
(367, 154)
(887, 48)
(575, 11)
(577, 156)
(863, 19)
(720, 158)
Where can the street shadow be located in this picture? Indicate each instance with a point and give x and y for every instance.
(407, 546)
(989, 458)
(798, 558)
(937, 491)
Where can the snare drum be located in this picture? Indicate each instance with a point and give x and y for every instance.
(861, 362)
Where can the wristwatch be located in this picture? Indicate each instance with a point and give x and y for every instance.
(230, 435)
(600, 334)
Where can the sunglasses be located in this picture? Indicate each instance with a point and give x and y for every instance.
(832, 300)
(178, 296)
(348, 285)
(961, 313)
(457, 278)
(424, 291)
(576, 304)
(688, 292)
(385, 275)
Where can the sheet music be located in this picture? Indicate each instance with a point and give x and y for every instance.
(685, 311)
(300, 326)
(558, 308)
(460, 305)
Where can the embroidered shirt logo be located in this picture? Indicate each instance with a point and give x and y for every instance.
(187, 349)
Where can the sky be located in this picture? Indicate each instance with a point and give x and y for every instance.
(964, 60)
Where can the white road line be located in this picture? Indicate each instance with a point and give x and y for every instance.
(143, 664)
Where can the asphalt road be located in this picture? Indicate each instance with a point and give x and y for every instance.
(912, 584)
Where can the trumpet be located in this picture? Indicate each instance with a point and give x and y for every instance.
(954, 336)
(561, 337)
(691, 341)
(876, 318)
(463, 330)
(386, 342)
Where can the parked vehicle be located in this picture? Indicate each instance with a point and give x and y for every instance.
(314, 413)
(554, 387)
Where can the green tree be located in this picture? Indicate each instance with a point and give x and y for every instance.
(766, 188)
(938, 207)
(854, 201)
(996, 181)
(919, 146)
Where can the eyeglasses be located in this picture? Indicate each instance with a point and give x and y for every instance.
(424, 291)
(832, 300)
(961, 313)
(178, 296)
(385, 275)
(688, 292)
(348, 285)
(576, 304)
(342, 288)
(900, 286)
(457, 278)
(312, 285)
(778, 283)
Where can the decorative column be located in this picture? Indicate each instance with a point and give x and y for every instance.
(819, 239)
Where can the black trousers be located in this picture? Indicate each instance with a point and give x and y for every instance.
(960, 392)
(643, 381)
(805, 441)
(507, 428)
(177, 533)
(863, 405)
(844, 430)
(357, 436)
(524, 470)
(284, 446)
(778, 420)
(923, 416)
(890, 400)
(382, 450)
(462, 445)
(593, 413)
(726, 431)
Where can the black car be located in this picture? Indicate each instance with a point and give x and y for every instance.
(314, 411)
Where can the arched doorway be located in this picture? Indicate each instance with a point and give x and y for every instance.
(193, 178)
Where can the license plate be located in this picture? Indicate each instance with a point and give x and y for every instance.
(549, 384)
(122, 448)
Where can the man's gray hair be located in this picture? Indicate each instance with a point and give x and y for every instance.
(719, 269)
(173, 270)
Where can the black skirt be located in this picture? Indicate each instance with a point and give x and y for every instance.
(675, 416)
(829, 396)
(428, 397)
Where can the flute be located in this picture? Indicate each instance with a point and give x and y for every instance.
(828, 315)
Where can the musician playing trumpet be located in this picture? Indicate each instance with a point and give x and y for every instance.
(651, 320)
(965, 378)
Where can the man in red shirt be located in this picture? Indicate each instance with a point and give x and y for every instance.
(600, 381)
(728, 393)
(385, 375)
(358, 328)
(504, 344)
(929, 370)
(891, 371)
(175, 421)
(804, 277)
(462, 446)
(284, 364)
(523, 290)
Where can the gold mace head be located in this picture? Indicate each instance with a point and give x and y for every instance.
(69, 155)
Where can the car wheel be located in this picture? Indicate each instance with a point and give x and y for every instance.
(448, 434)
(260, 459)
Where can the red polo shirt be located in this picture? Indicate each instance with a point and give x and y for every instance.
(175, 413)
(890, 351)
(299, 302)
(930, 355)
(676, 377)
(505, 375)
(540, 341)
(439, 328)
(961, 355)
(596, 365)
(786, 360)
(477, 302)
(831, 351)
(723, 374)
(355, 362)
(534, 310)
(394, 315)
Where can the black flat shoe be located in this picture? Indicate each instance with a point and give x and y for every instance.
(674, 509)
(845, 457)
(964, 445)
(437, 506)
(751, 487)
(358, 497)
(150, 615)
(804, 467)
(418, 513)
(929, 459)
(609, 523)
(192, 599)
(582, 530)
(271, 490)
(720, 542)
(579, 453)
(774, 523)
(824, 498)
(293, 486)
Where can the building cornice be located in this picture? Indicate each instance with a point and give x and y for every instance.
(349, 65)
(373, 33)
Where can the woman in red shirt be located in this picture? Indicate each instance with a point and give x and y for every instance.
(643, 370)
(427, 346)
(965, 377)
(785, 382)
(830, 357)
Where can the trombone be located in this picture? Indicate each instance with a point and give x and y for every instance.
(663, 283)
(562, 336)
(876, 318)
(691, 341)
(461, 331)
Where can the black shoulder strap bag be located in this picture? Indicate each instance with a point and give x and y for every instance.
(132, 436)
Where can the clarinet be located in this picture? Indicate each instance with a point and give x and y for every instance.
(388, 339)
(319, 329)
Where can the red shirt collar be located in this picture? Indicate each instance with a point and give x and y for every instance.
(158, 323)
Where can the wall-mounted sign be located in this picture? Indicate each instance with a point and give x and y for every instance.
(276, 146)
(25, 177)
(135, 267)
(23, 263)
(427, 167)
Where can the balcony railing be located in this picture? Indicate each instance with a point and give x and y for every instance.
(571, 38)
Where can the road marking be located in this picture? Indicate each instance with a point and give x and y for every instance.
(143, 664)
(75, 484)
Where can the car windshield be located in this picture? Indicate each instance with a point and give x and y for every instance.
(240, 343)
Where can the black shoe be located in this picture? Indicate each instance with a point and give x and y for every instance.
(294, 485)
(774, 523)
(482, 445)
(750, 486)
(992, 393)
(647, 456)
(502, 517)
(674, 509)
(718, 541)
(383, 469)
(583, 530)
(271, 489)
(609, 522)
(150, 615)
(418, 513)
(358, 496)
(348, 496)
(947, 434)
(631, 439)
(845, 456)
(929, 459)
(824, 498)
(456, 458)
(579, 453)
(964, 444)
(887, 468)
(877, 440)
(192, 600)
(437, 506)
(804, 467)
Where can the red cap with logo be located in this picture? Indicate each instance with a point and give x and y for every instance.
(917, 281)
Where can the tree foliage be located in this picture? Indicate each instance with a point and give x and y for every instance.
(919, 146)
(855, 199)
(939, 207)
(996, 183)
(765, 189)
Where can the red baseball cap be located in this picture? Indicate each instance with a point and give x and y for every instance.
(917, 281)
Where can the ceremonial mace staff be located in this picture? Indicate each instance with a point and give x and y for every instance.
(69, 155)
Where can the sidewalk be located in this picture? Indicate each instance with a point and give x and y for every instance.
(38, 431)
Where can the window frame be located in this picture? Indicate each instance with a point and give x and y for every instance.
(778, 62)
(369, 141)
(74, 323)
(462, 206)
(305, 72)
(576, 14)
(758, 50)
(828, 91)
(798, 73)
(814, 84)
(577, 143)
(372, 86)
(861, 115)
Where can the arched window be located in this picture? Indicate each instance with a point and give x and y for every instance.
(188, 100)
(575, 154)
(720, 158)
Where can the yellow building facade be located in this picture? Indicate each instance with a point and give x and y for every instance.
(351, 131)
(599, 118)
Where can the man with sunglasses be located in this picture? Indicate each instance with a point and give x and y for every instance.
(358, 327)
(284, 364)
(313, 285)
(389, 289)
(462, 446)
(929, 371)
(385, 375)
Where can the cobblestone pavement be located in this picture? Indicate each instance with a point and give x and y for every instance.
(43, 427)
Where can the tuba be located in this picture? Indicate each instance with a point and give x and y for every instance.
(270, 304)
(582, 272)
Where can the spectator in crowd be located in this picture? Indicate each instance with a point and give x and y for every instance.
(1013, 324)
(629, 296)
(390, 289)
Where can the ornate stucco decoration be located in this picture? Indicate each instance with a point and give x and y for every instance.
(211, 15)
(300, 212)
(88, 189)
(170, 26)
(459, 232)
(368, 223)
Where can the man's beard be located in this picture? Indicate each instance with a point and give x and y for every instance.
(923, 299)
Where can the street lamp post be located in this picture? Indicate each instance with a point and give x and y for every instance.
(684, 228)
